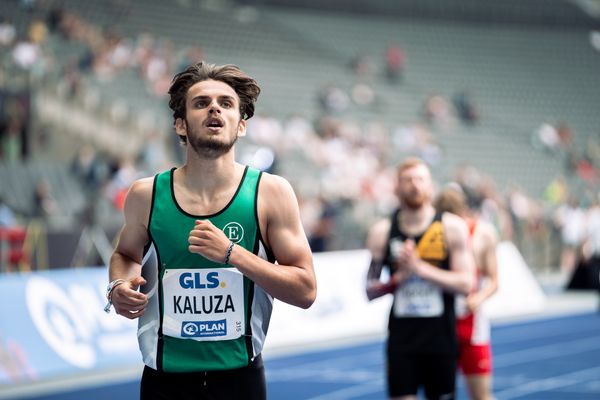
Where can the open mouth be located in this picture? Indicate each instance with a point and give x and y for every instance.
(214, 123)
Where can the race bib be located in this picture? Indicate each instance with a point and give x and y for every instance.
(418, 298)
(203, 304)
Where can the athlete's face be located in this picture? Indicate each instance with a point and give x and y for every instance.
(213, 122)
(415, 186)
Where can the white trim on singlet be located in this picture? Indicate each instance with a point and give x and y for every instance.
(262, 307)
(149, 323)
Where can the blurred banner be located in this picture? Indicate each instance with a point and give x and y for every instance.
(519, 293)
(341, 310)
(53, 324)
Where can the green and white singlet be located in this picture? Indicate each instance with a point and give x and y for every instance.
(202, 315)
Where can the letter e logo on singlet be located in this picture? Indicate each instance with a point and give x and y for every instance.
(234, 231)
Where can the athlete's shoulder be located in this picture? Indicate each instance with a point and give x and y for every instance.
(453, 221)
(274, 185)
(455, 227)
(381, 228)
(140, 192)
(142, 187)
(487, 230)
(377, 236)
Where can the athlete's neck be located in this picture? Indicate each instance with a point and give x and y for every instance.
(413, 221)
(210, 176)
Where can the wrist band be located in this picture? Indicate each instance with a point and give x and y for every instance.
(109, 289)
(229, 250)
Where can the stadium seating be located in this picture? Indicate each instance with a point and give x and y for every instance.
(520, 76)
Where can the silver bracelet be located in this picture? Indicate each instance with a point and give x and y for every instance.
(229, 250)
(109, 289)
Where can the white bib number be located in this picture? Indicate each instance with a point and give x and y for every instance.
(203, 304)
(418, 298)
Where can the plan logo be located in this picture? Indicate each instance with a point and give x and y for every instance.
(193, 329)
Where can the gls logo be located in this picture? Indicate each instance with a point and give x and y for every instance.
(234, 231)
(199, 280)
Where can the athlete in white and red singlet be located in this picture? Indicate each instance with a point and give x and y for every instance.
(473, 327)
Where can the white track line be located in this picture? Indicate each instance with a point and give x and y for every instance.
(555, 382)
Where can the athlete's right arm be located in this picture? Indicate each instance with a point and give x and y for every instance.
(488, 264)
(126, 260)
(376, 244)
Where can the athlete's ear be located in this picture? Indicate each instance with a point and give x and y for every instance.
(180, 127)
(241, 128)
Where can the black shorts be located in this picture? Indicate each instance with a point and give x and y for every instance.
(406, 373)
(247, 383)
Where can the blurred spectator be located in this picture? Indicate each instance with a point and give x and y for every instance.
(192, 55)
(154, 153)
(54, 18)
(565, 135)
(28, 5)
(26, 54)
(265, 130)
(119, 184)
(44, 203)
(11, 140)
(592, 150)
(417, 140)
(89, 169)
(395, 63)
(570, 220)
(72, 78)
(38, 31)
(587, 273)
(520, 209)
(332, 99)
(465, 107)
(586, 171)
(566, 140)
(363, 94)
(556, 192)
(323, 227)
(261, 157)
(362, 65)
(7, 32)
(546, 137)
(437, 111)
(591, 246)
(8, 218)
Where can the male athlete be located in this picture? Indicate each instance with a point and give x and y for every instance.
(217, 241)
(473, 328)
(429, 260)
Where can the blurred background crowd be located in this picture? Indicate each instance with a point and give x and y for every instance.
(501, 97)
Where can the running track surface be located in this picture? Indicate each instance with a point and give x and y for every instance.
(557, 358)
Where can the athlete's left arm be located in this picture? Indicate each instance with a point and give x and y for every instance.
(488, 266)
(292, 279)
(460, 277)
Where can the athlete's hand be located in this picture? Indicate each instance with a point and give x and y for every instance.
(208, 241)
(400, 276)
(473, 302)
(408, 258)
(126, 299)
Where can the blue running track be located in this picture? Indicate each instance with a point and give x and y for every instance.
(557, 358)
